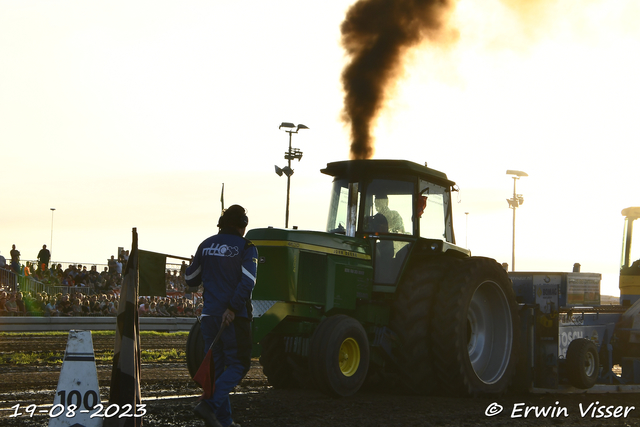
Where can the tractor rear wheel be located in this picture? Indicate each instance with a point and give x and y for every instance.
(475, 331)
(194, 352)
(339, 355)
(275, 363)
(583, 363)
(411, 321)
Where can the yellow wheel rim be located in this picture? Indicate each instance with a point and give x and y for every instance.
(349, 357)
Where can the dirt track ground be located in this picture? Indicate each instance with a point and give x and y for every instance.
(256, 404)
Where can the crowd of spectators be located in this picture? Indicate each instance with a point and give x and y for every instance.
(87, 292)
(175, 281)
(71, 304)
(110, 279)
(79, 304)
(78, 275)
(169, 307)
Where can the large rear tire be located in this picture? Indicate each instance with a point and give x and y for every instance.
(339, 356)
(411, 321)
(476, 329)
(275, 363)
(194, 352)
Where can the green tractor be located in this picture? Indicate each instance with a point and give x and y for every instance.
(384, 293)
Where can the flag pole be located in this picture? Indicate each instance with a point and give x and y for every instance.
(222, 199)
(125, 375)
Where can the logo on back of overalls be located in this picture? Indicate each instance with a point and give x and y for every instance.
(221, 250)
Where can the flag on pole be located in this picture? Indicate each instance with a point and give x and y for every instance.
(125, 375)
(151, 276)
(205, 377)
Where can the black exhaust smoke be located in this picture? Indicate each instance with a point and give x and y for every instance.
(375, 35)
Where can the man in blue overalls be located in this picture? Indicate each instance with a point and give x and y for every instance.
(226, 264)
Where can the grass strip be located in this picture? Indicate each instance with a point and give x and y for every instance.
(28, 358)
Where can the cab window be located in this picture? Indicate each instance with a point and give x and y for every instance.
(389, 214)
(338, 207)
(432, 209)
(389, 206)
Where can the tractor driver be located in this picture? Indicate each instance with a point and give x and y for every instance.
(393, 217)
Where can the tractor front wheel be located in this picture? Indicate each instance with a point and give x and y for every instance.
(339, 355)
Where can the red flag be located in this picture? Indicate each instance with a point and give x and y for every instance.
(206, 375)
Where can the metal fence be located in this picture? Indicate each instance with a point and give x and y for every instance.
(170, 266)
(7, 279)
(28, 284)
(14, 283)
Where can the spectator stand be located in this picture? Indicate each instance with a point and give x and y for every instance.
(38, 287)
(51, 284)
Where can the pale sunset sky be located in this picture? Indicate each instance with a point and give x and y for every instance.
(132, 114)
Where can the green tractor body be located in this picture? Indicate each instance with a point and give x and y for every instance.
(308, 275)
(360, 300)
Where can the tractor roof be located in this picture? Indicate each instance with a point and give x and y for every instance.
(360, 168)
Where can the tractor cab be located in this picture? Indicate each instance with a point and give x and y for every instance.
(392, 202)
(630, 263)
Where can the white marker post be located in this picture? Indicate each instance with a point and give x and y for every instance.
(78, 394)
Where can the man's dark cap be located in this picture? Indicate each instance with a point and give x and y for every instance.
(234, 216)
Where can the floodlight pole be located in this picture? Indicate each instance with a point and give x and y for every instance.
(514, 203)
(292, 153)
(288, 157)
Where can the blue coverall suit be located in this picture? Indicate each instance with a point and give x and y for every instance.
(226, 264)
